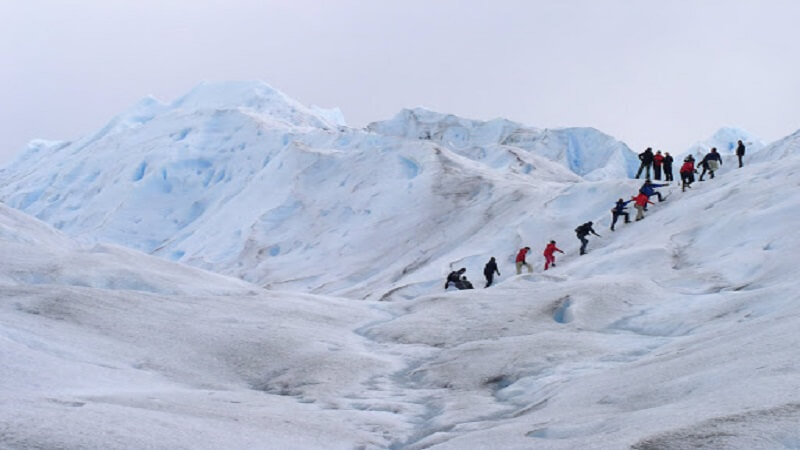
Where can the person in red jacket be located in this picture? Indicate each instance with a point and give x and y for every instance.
(521, 260)
(658, 160)
(549, 256)
(639, 203)
(687, 173)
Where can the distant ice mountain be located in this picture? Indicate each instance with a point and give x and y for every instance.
(585, 151)
(725, 140)
(241, 179)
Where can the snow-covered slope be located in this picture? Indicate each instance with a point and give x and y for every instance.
(777, 151)
(679, 331)
(102, 347)
(675, 332)
(240, 179)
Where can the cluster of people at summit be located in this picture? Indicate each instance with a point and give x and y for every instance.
(659, 164)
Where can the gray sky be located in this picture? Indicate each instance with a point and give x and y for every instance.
(651, 73)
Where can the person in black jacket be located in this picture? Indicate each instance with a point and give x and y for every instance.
(454, 277)
(489, 270)
(740, 152)
(646, 157)
(582, 231)
(463, 283)
(710, 163)
(668, 166)
(619, 210)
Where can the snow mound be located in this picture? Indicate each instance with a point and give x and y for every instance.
(36, 254)
(103, 347)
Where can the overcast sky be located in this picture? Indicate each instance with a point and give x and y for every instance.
(651, 73)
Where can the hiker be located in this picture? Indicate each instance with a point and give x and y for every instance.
(711, 163)
(740, 152)
(582, 231)
(454, 277)
(687, 173)
(649, 189)
(640, 202)
(658, 160)
(521, 260)
(619, 210)
(463, 283)
(489, 270)
(646, 157)
(549, 254)
(668, 167)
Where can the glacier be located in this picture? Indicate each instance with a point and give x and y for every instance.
(240, 179)
(678, 331)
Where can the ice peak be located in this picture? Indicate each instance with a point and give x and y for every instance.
(231, 94)
(259, 98)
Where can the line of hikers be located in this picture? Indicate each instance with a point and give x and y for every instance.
(657, 161)
(710, 164)
(459, 280)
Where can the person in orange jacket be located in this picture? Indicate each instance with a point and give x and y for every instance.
(639, 203)
(549, 256)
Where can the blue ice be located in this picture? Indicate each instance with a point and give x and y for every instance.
(139, 173)
(410, 168)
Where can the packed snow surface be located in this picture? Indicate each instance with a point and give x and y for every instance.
(677, 331)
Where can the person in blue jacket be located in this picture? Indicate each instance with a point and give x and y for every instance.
(619, 210)
(649, 189)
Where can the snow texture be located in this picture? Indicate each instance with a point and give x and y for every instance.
(678, 331)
